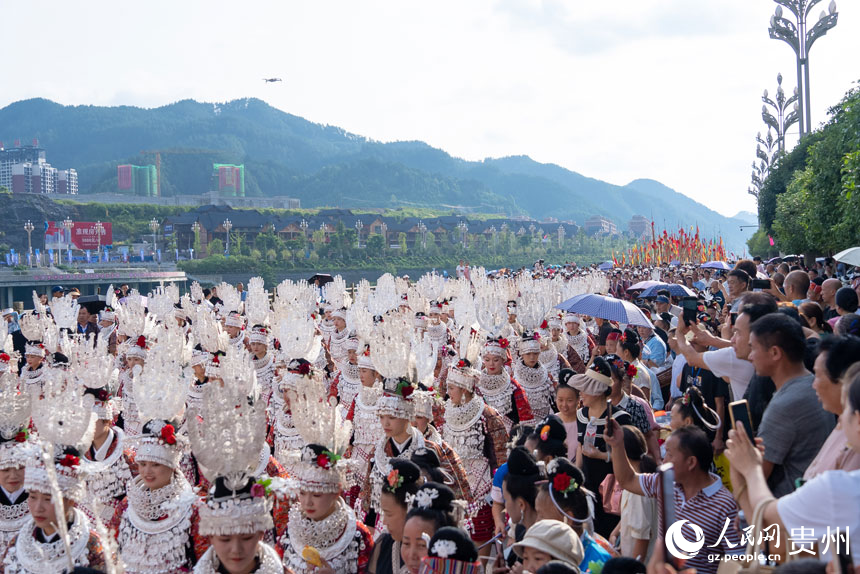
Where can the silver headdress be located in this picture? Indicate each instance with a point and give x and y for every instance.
(65, 312)
(15, 444)
(231, 300)
(322, 426)
(160, 391)
(132, 315)
(257, 302)
(161, 302)
(227, 432)
(462, 374)
(64, 416)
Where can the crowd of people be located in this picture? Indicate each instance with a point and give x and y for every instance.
(443, 425)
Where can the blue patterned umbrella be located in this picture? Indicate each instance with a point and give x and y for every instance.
(606, 266)
(608, 308)
(674, 289)
(716, 265)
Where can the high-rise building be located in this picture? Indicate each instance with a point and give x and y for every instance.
(24, 169)
(228, 179)
(138, 179)
(599, 224)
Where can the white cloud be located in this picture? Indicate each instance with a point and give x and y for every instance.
(666, 89)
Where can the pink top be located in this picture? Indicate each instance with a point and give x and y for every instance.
(572, 442)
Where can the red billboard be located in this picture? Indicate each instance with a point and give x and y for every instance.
(83, 234)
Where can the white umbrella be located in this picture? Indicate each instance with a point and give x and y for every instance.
(851, 256)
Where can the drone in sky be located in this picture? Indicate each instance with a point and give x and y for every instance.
(272, 80)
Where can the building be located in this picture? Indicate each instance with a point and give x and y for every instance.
(597, 224)
(24, 169)
(228, 179)
(639, 225)
(139, 180)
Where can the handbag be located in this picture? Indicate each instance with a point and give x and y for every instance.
(753, 549)
(610, 495)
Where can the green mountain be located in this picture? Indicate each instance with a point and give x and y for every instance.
(322, 165)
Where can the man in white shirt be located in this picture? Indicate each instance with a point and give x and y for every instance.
(731, 362)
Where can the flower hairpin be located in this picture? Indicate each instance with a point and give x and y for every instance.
(504, 343)
(70, 461)
(141, 342)
(404, 388)
(563, 483)
(632, 371)
(444, 548)
(5, 357)
(424, 498)
(394, 480)
(544, 433)
(22, 435)
(544, 324)
(168, 434)
(327, 459)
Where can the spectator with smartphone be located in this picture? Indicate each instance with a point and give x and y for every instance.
(794, 425)
(838, 357)
(828, 501)
(699, 495)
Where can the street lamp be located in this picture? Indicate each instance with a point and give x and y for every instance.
(304, 226)
(560, 236)
(28, 227)
(422, 229)
(228, 225)
(99, 230)
(781, 121)
(68, 224)
(153, 225)
(358, 227)
(797, 35)
(384, 229)
(195, 227)
(463, 227)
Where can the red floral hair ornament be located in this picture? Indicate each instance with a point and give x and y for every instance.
(394, 480)
(544, 325)
(168, 434)
(70, 461)
(461, 363)
(4, 357)
(632, 371)
(103, 395)
(327, 459)
(504, 343)
(141, 342)
(22, 435)
(564, 484)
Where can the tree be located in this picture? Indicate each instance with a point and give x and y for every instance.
(215, 247)
(401, 239)
(375, 245)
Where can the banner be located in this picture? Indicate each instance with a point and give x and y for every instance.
(82, 235)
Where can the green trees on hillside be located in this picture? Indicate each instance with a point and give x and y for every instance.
(809, 203)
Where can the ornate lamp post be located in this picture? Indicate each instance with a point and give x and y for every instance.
(800, 37)
(28, 227)
(228, 225)
(560, 236)
(304, 227)
(422, 229)
(68, 224)
(383, 228)
(153, 225)
(358, 227)
(99, 230)
(779, 120)
(463, 227)
(195, 227)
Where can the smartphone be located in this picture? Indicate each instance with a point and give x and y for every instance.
(690, 307)
(760, 284)
(739, 411)
(843, 561)
(666, 502)
(609, 428)
(734, 317)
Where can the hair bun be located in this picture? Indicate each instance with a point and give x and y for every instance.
(522, 463)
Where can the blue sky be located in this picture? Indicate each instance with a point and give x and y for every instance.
(663, 89)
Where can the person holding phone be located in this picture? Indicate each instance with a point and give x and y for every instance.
(829, 500)
(595, 387)
(699, 495)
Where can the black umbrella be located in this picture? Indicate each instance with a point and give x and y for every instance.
(323, 278)
(93, 303)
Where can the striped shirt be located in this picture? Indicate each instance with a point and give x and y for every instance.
(708, 510)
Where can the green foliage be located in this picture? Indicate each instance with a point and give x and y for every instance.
(819, 211)
(215, 248)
